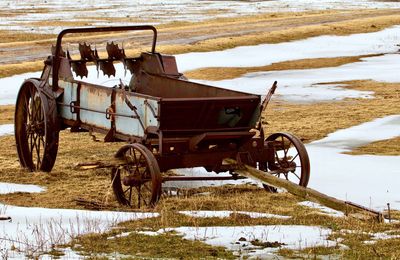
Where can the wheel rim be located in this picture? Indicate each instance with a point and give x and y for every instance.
(290, 159)
(138, 182)
(36, 144)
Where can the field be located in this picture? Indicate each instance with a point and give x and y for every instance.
(338, 91)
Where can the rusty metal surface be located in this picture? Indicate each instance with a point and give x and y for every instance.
(170, 121)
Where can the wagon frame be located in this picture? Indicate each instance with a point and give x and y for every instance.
(168, 121)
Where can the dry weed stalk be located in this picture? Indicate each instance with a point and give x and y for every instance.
(39, 238)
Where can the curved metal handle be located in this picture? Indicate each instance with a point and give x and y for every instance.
(56, 58)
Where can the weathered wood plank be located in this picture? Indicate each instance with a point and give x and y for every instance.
(347, 208)
(110, 163)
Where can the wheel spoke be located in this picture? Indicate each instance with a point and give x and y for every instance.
(134, 155)
(139, 196)
(294, 158)
(285, 151)
(130, 196)
(38, 152)
(129, 188)
(296, 175)
(149, 189)
(276, 156)
(31, 143)
(144, 199)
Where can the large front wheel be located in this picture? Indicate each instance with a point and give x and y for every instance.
(138, 182)
(291, 159)
(36, 131)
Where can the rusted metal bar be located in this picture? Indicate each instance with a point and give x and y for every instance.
(194, 178)
(97, 111)
(269, 96)
(151, 108)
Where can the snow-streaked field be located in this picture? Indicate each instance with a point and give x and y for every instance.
(38, 229)
(238, 238)
(326, 46)
(369, 180)
(294, 85)
(308, 85)
(96, 12)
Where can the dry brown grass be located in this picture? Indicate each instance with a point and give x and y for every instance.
(9, 37)
(235, 72)
(386, 147)
(14, 69)
(63, 184)
(7, 114)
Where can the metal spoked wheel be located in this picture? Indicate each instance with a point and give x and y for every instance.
(138, 182)
(291, 159)
(36, 133)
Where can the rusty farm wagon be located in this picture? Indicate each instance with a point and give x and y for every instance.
(167, 121)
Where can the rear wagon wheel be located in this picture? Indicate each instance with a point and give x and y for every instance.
(290, 159)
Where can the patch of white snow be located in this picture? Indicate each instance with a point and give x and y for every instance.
(228, 213)
(325, 210)
(7, 129)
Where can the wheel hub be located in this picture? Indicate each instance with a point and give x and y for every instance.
(134, 180)
(35, 127)
(287, 165)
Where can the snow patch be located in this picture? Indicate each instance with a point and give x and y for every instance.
(37, 229)
(228, 213)
(239, 238)
(325, 210)
(349, 138)
(350, 177)
(9, 86)
(201, 172)
(6, 188)
(7, 129)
